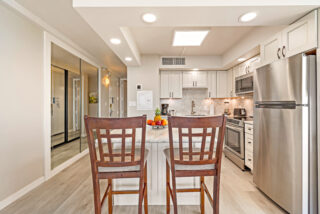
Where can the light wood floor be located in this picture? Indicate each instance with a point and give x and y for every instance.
(71, 192)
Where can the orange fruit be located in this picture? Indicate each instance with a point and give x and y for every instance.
(153, 123)
(164, 122)
(149, 122)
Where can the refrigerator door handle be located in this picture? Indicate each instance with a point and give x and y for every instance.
(276, 104)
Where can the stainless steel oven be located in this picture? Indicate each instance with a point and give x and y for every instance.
(234, 142)
(244, 84)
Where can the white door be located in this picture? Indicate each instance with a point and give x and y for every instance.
(175, 84)
(300, 36)
(188, 79)
(222, 84)
(201, 79)
(212, 84)
(270, 49)
(164, 84)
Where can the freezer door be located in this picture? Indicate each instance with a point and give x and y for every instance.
(278, 155)
(283, 80)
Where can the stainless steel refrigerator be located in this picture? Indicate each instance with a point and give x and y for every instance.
(285, 148)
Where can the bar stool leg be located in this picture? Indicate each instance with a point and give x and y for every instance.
(146, 190)
(167, 187)
(216, 185)
(201, 194)
(174, 193)
(96, 192)
(110, 197)
(141, 182)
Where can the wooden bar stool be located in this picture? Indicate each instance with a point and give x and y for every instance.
(130, 162)
(186, 161)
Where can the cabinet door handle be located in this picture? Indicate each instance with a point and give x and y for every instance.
(278, 53)
(193, 83)
(283, 51)
(209, 93)
(249, 159)
(249, 142)
(249, 129)
(196, 83)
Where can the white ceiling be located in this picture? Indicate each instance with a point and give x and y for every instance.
(217, 42)
(122, 19)
(62, 16)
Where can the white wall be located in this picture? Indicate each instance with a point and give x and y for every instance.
(21, 109)
(148, 75)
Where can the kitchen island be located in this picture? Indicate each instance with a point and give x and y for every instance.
(156, 141)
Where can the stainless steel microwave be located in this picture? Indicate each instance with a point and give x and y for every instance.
(244, 84)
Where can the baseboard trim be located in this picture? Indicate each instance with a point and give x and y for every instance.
(15, 196)
(67, 163)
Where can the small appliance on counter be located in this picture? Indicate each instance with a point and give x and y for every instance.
(164, 109)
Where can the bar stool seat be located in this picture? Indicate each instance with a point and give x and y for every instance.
(125, 168)
(185, 166)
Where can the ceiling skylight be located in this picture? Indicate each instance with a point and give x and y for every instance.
(189, 38)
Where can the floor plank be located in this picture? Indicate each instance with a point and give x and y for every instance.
(71, 192)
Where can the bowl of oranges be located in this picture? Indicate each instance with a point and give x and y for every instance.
(157, 122)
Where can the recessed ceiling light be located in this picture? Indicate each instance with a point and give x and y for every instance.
(247, 17)
(189, 38)
(115, 41)
(195, 69)
(128, 59)
(241, 59)
(149, 17)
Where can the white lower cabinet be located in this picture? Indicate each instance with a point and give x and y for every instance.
(248, 136)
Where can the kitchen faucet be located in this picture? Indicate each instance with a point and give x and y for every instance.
(192, 106)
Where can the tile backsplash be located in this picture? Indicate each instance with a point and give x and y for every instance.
(205, 106)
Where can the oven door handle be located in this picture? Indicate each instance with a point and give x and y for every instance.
(234, 128)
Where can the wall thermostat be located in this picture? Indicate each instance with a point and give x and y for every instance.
(139, 87)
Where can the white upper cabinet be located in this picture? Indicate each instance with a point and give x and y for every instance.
(164, 84)
(254, 63)
(299, 37)
(195, 79)
(188, 79)
(242, 69)
(230, 83)
(212, 84)
(170, 84)
(270, 50)
(175, 84)
(222, 84)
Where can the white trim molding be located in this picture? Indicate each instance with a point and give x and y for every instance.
(15, 196)
(48, 40)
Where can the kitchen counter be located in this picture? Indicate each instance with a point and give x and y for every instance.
(249, 122)
(160, 136)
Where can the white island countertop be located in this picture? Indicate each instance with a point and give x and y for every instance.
(161, 135)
